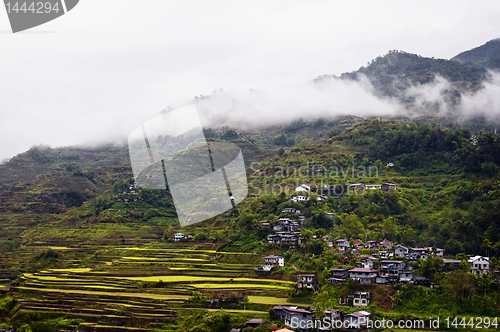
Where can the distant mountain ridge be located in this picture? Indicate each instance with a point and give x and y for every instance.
(487, 55)
(403, 76)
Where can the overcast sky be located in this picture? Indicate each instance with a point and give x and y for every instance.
(108, 65)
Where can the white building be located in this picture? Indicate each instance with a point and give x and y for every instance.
(479, 265)
(363, 276)
(272, 261)
(178, 237)
(343, 244)
(400, 251)
(368, 262)
(303, 187)
(306, 281)
(357, 319)
(295, 317)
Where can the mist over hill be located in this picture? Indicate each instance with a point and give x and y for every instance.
(463, 90)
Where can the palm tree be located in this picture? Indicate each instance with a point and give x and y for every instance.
(485, 281)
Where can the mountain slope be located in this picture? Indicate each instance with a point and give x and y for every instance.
(486, 56)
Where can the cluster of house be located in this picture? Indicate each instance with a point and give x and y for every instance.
(304, 320)
(363, 187)
(132, 191)
(398, 271)
(270, 262)
(296, 199)
(286, 229)
(178, 237)
(390, 271)
(283, 224)
(289, 238)
(352, 187)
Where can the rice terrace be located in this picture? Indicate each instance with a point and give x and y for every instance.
(144, 286)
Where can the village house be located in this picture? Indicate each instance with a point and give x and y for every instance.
(339, 274)
(331, 315)
(383, 254)
(415, 254)
(391, 267)
(357, 186)
(450, 265)
(330, 215)
(373, 186)
(328, 241)
(357, 243)
(278, 226)
(358, 299)
(290, 210)
(421, 281)
(274, 238)
(362, 275)
(272, 261)
(373, 245)
(388, 186)
(286, 224)
(366, 262)
(291, 238)
(254, 322)
(279, 312)
(299, 199)
(178, 237)
(405, 277)
(343, 244)
(295, 316)
(400, 251)
(293, 226)
(303, 187)
(306, 281)
(384, 279)
(386, 244)
(265, 224)
(356, 319)
(479, 265)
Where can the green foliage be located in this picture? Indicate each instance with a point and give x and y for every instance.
(201, 236)
(229, 134)
(25, 328)
(48, 254)
(73, 198)
(7, 303)
(431, 265)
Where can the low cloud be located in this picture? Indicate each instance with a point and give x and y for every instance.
(281, 104)
(430, 97)
(485, 102)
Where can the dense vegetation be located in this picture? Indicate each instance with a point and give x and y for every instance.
(75, 223)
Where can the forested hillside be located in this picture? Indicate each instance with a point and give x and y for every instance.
(84, 246)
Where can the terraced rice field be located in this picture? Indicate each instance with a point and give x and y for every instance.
(143, 288)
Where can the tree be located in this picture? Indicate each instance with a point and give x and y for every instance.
(460, 284)
(25, 328)
(485, 281)
(201, 236)
(431, 265)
